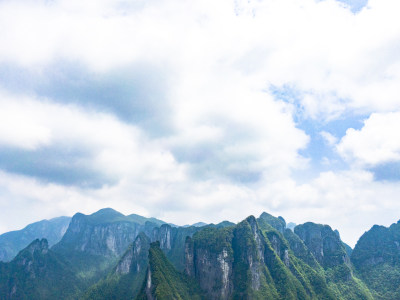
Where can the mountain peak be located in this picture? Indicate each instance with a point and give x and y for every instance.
(37, 245)
(107, 212)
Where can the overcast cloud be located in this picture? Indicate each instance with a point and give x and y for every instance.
(201, 110)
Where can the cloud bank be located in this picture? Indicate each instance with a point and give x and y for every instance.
(201, 111)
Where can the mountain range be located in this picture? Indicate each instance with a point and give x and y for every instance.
(107, 255)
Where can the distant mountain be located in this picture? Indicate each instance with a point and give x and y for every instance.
(14, 241)
(38, 273)
(291, 225)
(94, 243)
(198, 224)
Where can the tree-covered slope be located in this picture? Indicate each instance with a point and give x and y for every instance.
(376, 258)
(164, 282)
(260, 259)
(126, 278)
(107, 255)
(14, 241)
(38, 273)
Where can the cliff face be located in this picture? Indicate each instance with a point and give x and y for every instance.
(172, 242)
(323, 243)
(106, 233)
(134, 259)
(209, 259)
(94, 243)
(125, 280)
(232, 262)
(255, 260)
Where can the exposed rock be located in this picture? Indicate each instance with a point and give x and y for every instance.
(135, 258)
(189, 257)
(106, 233)
(214, 273)
(323, 243)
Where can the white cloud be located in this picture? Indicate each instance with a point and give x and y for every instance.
(376, 143)
(220, 59)
(342, 61)
(19, 127)
(329, 138)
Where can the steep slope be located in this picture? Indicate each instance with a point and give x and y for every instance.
(14, 241)
(329, 251)
(37, 273)
(260, 259)
(240, 262)
(94, 243)
(164, 282)
(126, 278)
(172, 242)
(376, 258)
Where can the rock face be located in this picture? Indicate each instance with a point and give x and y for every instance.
(323, 243)
(255, 260)
(126, 278)
(123, 257)
(135, 258)
(209, 259)
(14, 241)
(172, 242)
(106, 233)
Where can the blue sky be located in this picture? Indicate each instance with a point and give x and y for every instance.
(201, 111)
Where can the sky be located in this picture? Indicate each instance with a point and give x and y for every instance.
(201, 110)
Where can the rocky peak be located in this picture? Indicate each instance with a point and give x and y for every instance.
(323, 243)
(106, 233)
(37, 245)
(377, 246)
(278, 223)
(28, 256)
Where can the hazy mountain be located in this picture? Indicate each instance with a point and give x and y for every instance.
(14, 241)
(94, 243)
(291, 225)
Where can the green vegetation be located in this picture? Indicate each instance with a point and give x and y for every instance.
(376, 258)
(38, 273)
(254, 259)
(165, 282)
